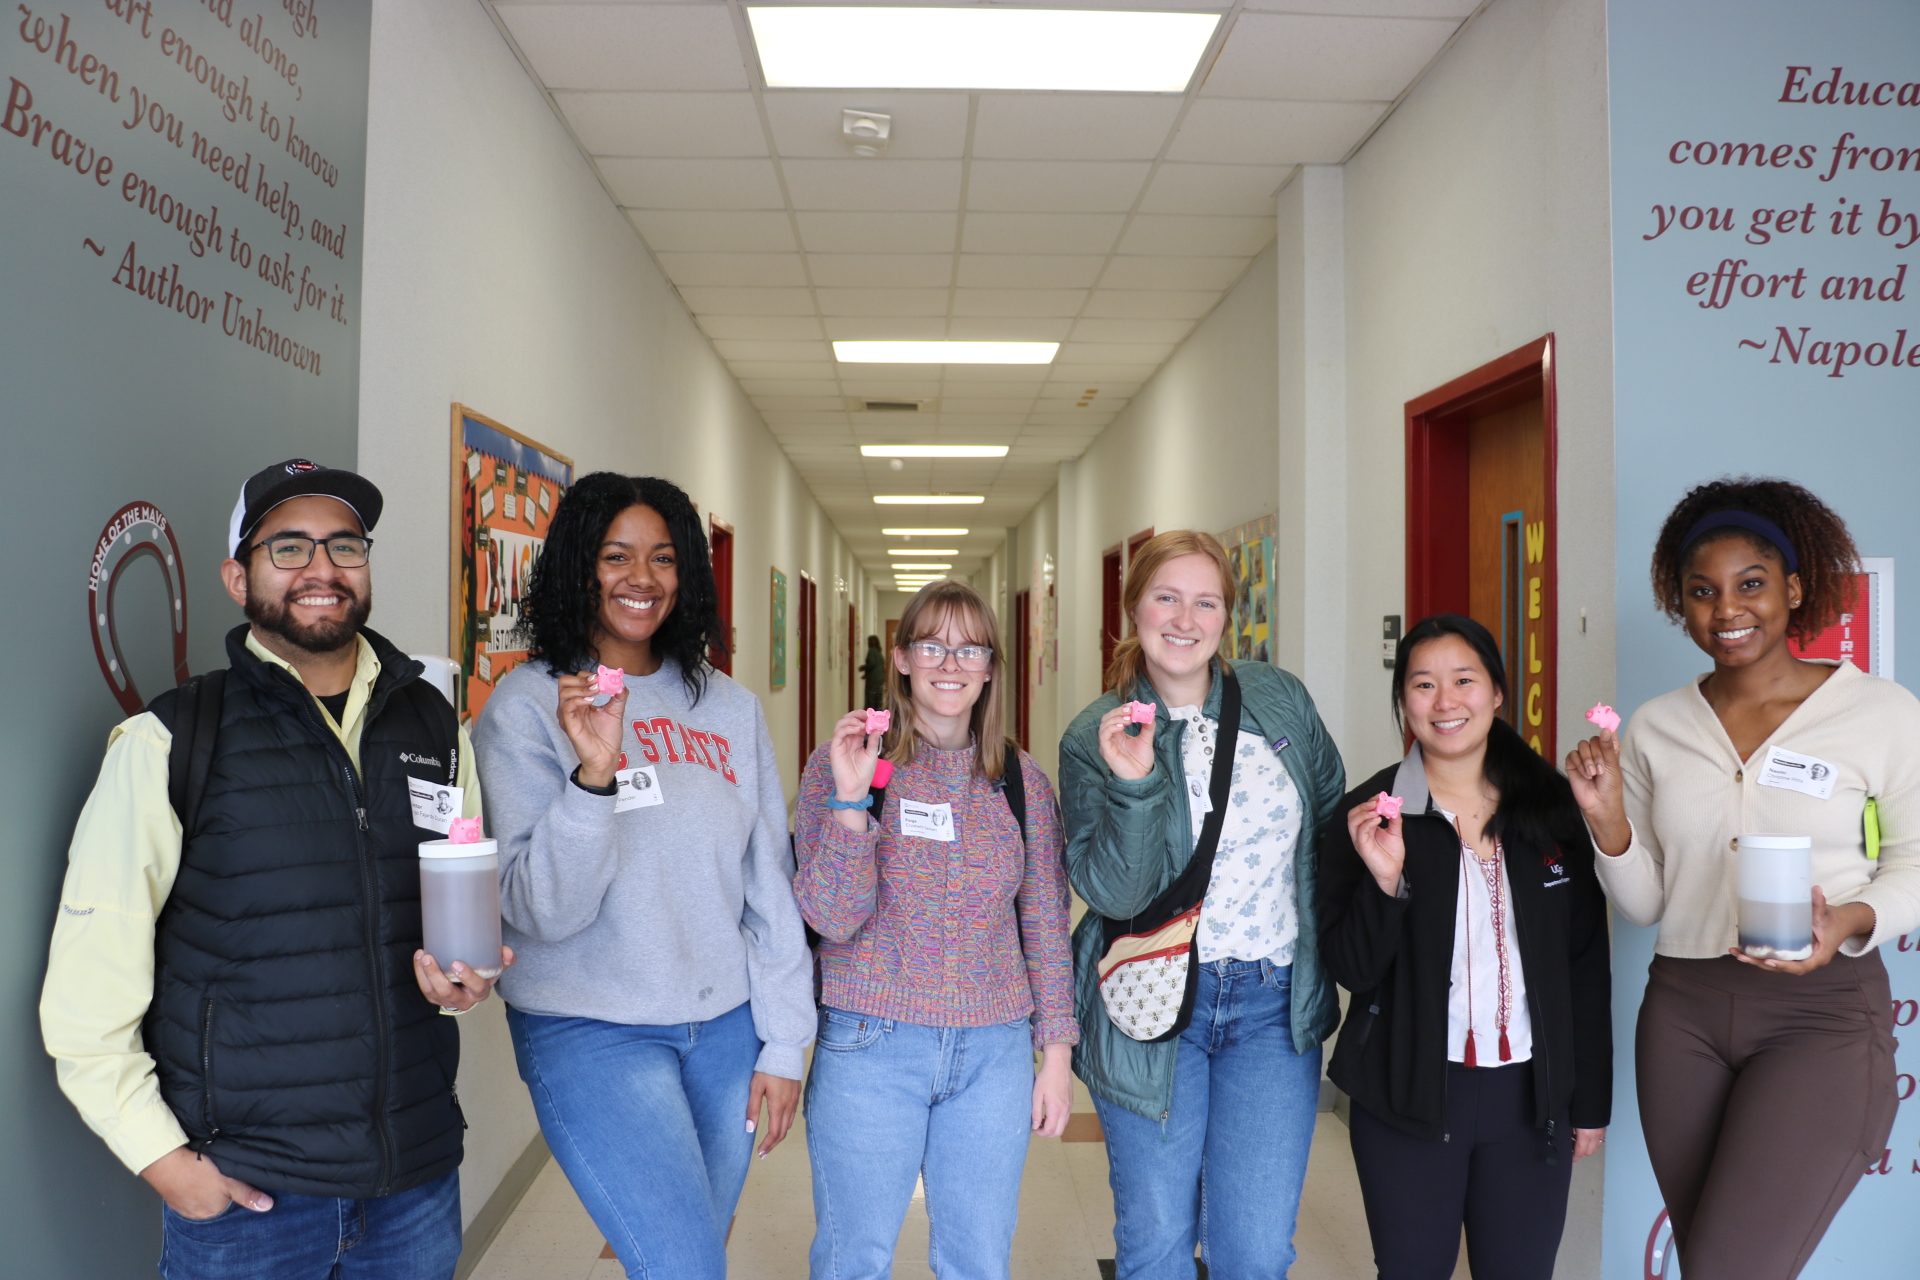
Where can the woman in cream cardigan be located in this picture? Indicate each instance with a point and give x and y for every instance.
(1766, 1086)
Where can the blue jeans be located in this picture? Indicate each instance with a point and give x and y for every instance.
(410, 1235)
(890, 1101)
(1227, 1165)
(650, 1126)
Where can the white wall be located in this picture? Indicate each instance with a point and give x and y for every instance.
(500, 275)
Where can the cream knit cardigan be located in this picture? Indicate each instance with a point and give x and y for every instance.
(1689, 795)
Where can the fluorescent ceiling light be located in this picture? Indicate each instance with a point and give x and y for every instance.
(933, 450)
(926, 533)
(928, 499)
(944, 352)
(922, 566)
(1050, 49)
(923, 551)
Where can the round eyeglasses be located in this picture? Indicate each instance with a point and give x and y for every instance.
(295, 551)
(931, 653)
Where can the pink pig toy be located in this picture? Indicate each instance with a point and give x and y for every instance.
(1387, 806)
(1604, 717)
(1140, 712)
(609, 680)
(879, 721)
(463, 831)
(882, 773)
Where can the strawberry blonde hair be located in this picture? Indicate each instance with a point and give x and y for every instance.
(929, 610)
(1129, 663)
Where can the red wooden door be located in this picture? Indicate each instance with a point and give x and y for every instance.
(809, 647)
(720, 544)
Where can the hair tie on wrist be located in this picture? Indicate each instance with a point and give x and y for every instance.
(1764, 528)
(866, 803)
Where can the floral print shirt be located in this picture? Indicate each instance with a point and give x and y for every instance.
(1250, 911)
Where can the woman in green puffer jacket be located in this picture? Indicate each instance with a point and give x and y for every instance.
(1231, 1098)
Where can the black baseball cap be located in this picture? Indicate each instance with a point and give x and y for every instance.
(299, 478)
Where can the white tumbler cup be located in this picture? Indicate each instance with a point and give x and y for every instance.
(1776, 896)
(460, 904)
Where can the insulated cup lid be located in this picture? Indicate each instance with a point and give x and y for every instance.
(448, 849)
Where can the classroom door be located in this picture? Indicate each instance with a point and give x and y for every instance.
(809, 647)
(720, 547)
(1481, 524)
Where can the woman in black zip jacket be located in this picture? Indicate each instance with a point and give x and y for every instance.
(1472, 934)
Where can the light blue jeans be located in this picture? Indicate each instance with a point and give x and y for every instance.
(1226, 1167)
(890, 1101)
(410, 1235)
(650, 1126)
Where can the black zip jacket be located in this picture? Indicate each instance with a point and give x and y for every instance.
(1395, 955)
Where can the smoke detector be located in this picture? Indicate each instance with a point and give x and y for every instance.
(867, 131)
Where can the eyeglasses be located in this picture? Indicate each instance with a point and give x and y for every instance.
(931, 653)
(294, 551)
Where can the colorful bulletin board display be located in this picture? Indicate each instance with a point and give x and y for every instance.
(505, 489)
(1864, 634)
(1250, 549)
(777, 675)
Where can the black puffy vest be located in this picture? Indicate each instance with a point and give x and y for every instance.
(292, 1041)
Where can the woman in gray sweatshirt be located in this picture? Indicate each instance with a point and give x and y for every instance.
(664, 992)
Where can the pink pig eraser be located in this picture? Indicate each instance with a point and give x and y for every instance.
(463, 831)
(1605, 717)
(1387, 806)
(1140, 712)
(609, 680)
(882, 773)
(878, 721)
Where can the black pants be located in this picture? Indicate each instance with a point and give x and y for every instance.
(1491, 1174)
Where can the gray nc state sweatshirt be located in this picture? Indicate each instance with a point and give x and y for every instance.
(672, 902)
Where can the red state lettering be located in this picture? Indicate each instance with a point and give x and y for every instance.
(647, 748)
(720, 747)
(703, 742)
(664, 726)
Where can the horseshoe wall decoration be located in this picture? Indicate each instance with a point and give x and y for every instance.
(137, 530)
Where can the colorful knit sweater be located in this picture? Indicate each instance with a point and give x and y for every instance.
(960, 933)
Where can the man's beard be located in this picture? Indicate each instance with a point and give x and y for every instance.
(276, 617)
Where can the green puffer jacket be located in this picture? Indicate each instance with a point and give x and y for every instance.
(1128, 840)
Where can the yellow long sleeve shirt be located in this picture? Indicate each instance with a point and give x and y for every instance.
(120, 871)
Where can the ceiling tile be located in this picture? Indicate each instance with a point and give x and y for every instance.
(1125, 331)
(1018, 302)
(692, 184)
(1051, 233)
(883, 328)
(1151, 304)
(1111, 353)
(926, 126)
(798, 404)
(1055, 186)
(951, 403)
(878, 232)
(744, 369)
(749, 302)
(628, 46)
(790, 387)
(1180, 273)
(691, 270)
(1242, 131)
(1008, 376)
(1372, 8)
(1058, 126)
(1320, 57)
(889, 388)
(1108, 391)
(864, 375)
(882, 302)
(1091, 419)
(665, 124)
(764, 328)
(874, 185)
(806, 418)
(1215, 188)
(1008, 329)
(710, 230)
(732, 349)
(1091, 374)
(881, 270)
(1029, 270)
(1176, 234)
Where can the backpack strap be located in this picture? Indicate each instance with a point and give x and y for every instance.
(1013, 785)
(194, 718)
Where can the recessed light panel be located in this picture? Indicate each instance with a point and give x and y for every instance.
(926, 533)
(933, 450)
(923, 566)
(923, 551)
(979, 48)
(945, 352)
(929, 499)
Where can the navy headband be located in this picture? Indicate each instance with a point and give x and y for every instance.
(1758, 525)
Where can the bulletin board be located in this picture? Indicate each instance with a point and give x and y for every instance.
(505, 490)
(1250, 549)
(777, 614)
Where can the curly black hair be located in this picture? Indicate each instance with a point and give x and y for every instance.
(563, 595)
(1828, 559)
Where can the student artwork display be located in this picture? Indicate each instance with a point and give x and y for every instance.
(505, 489)
(1250, 553)
(777, 676)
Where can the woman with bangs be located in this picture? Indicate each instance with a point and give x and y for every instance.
(1207, 1098)
(943, 961)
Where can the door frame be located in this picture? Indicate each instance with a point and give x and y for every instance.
(808, 637)
(720, 555)
(1437, 456)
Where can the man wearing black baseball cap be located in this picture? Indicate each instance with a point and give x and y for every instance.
(237, 1000)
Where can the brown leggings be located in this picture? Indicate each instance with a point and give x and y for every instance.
(1764, 1097)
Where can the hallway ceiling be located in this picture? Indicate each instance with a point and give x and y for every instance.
(1108, 222)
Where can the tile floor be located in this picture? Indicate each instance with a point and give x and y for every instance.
(1066, 1220)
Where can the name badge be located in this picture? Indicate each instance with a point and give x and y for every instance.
(435, 804)
(1199, 799)
(638, 788)
(1809, 775)
(927, 821)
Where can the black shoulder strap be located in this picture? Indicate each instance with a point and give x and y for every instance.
(196, 732)
(1013, 785)
(1189, 888)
